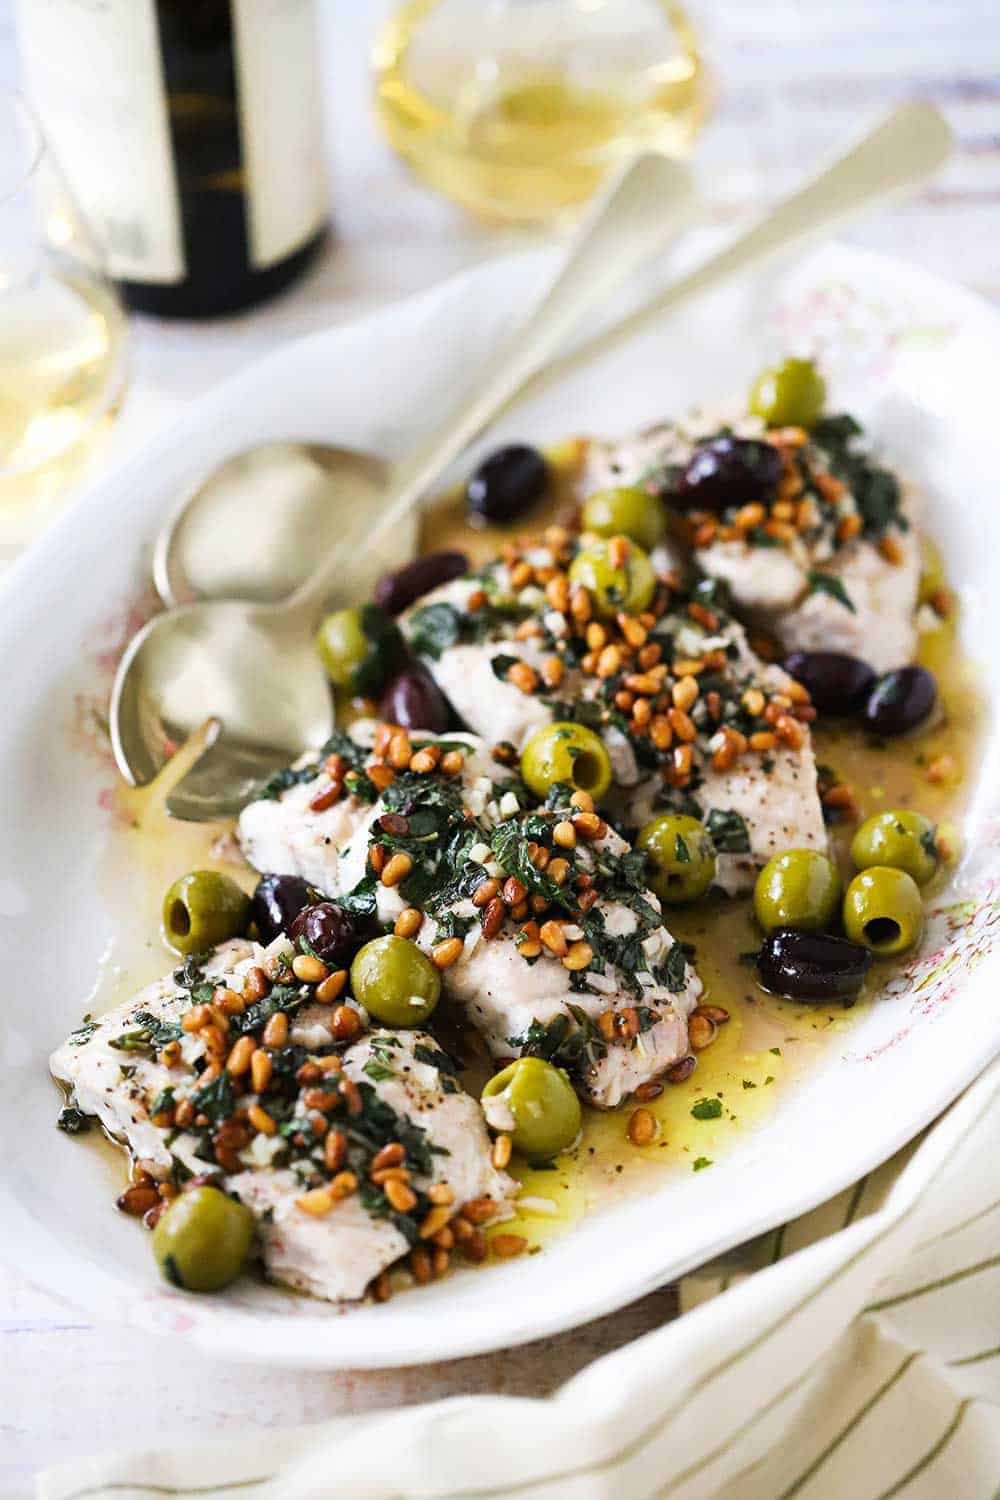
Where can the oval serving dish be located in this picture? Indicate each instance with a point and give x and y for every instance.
(919, 360)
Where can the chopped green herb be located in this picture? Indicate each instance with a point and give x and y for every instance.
(829, 583)
(707, 1109)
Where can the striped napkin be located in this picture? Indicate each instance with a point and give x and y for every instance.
(852, 1355)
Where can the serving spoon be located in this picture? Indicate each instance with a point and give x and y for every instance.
(255, 527)
(249, 666)
(254, 667)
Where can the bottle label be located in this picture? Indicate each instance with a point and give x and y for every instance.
(281, 130)
(95, 75)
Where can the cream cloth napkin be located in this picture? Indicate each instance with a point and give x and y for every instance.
(852, 1355)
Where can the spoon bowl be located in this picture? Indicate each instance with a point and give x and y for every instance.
(256, 526)
(251, 669)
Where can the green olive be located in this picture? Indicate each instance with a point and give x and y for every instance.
(540, 1100)
(681, 857)
(629, 588)
(203, 1240)
(395, 982)
(791, 394)
(799, 889)
(203, 909)
(570, 753)
(883, 911)
(630, 512)
(901, 838)
(358, 648)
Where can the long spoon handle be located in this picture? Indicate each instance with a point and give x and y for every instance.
(642, 211)
(893, 159)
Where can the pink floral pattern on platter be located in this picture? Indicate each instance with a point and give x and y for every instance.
(856, 336)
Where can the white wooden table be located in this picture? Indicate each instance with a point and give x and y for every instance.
(799, 76)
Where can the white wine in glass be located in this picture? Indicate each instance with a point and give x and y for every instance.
(62, 330)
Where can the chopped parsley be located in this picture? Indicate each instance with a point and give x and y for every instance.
(707, 1109)
(728, 831)
(829, 583)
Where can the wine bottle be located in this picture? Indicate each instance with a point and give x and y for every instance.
(191, 133)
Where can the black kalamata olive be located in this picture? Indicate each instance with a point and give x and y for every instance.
(397, 590)
(812, 965)
(507, 484)
(900, 701)
(728, 471)
(837, 683)
(276, 903)
(414, 701)
(331, 932)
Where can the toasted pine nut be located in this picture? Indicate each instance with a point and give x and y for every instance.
(392, 1155)
(523, 676)
(715, 1013)
(701, 1033)
(552, 936)
(276, 1030)
(331, 987)
(485, 892)
(641, 1127)
(409, 922)
(682, 725)
(589, 826)
(400, 751)
(380, 777)
(445, 953)
(681, 1071)
(397, 868)
(440, 1193)
(501, 1152)
(317, 1202)
(564, 834)
(506, 1246)
(255, 984)
(238, 1061)
(552, 670)
(582, 801)
(261, 1120)
(334, 1150)
(310, 970)
(343, 1185)
(452, 762)
(423, 761)
(400, 1195)
(435, 1219)
(684, 693)
(493, 916)
(578, 957)
(609, 662)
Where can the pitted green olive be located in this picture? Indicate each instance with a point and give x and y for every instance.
(565, 752)
(681, 857)
(800, 889)
(883, 910)
(203, 1240)
(630, 512)
(358, 648)
(203, 909)
(791, 394)
(395, 982)
(534, 1102)
(900, 838)
(629, 587)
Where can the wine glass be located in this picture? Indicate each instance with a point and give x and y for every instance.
(62, 330)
